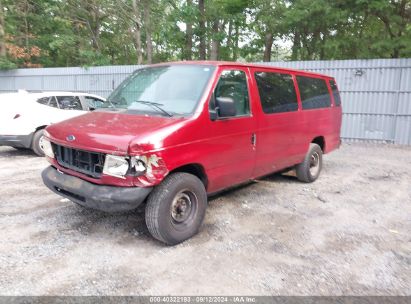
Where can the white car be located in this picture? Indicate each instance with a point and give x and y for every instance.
(24, 115)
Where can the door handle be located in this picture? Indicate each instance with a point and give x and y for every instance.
(253, 139)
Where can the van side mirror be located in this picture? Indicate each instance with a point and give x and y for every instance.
(213, 114)
(225, 106)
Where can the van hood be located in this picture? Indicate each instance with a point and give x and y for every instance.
(110, 132)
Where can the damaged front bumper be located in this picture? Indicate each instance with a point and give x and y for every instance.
(104, 198)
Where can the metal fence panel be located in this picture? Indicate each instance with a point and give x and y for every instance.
(376, 94)
(403, 130)
(96, 80)
(404, 104)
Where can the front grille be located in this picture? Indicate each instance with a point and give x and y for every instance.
(88, 163)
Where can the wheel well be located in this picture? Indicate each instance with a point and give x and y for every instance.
(194, 169)
(37, 129)
(319, 141)
(41, 127)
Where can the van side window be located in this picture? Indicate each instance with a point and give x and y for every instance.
(233, 84)
(337, 97)
(277, 92)
(314, 93)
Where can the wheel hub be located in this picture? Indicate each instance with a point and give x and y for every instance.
(41, 143)
(181, 207)
(314, 164)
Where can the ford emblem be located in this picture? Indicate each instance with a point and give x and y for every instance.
(70, 138)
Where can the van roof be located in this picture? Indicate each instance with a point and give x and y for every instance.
(242, 64)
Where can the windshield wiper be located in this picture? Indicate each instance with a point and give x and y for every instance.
(155, 105)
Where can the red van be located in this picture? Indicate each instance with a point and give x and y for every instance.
(173, 133)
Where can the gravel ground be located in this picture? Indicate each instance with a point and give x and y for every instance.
(346, 234)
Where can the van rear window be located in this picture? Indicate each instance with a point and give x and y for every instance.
(314, 93)
(337, 97)
(277, 92)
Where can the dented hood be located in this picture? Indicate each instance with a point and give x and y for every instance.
(109, 132)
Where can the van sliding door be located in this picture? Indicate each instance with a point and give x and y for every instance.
(279, 126)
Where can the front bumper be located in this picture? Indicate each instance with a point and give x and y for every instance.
(18, 141)
(104, 198)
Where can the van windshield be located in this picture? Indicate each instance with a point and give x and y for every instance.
(163, 90)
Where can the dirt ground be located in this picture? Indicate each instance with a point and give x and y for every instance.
(346, 234)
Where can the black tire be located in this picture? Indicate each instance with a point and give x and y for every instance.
(35, 145)
(166, 217)
(20, 148)
(309, 170)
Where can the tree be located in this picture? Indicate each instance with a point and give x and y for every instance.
(102, 32)
(148, 29)
(189, 15)
(394, 16)
(202, 29)
(267, 27)
(2, 33)
(137, 31)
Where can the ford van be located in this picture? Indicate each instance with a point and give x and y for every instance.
(172, 134)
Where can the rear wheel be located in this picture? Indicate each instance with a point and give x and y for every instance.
(176, 208)
(309, 170)
(37, 145)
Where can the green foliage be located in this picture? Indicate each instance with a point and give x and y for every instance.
(6, 64)
(103, 32)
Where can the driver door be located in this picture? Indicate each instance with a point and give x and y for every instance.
(232, 137)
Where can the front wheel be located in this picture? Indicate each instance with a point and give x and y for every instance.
(37, 145)
(176, 208)
(20, 148)
(309, 170)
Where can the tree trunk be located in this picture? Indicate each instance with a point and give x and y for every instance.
(147, 25)
(296, 46)
(25, 12)
(137, 32)
(269, 39)
(215, 43)
(395, 53)
(2, 32)
(189, 36)
(95, 24)
(323, 55)
(236, 39)
(202, 50)
(230, 38)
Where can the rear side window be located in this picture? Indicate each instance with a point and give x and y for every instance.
(336, 94)
(48, 101)
(53, 102)
(93, 103)
(44, 100)
(277, 92)
(314, 93)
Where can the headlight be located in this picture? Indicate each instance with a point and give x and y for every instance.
(115, 166)
(45, 144)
